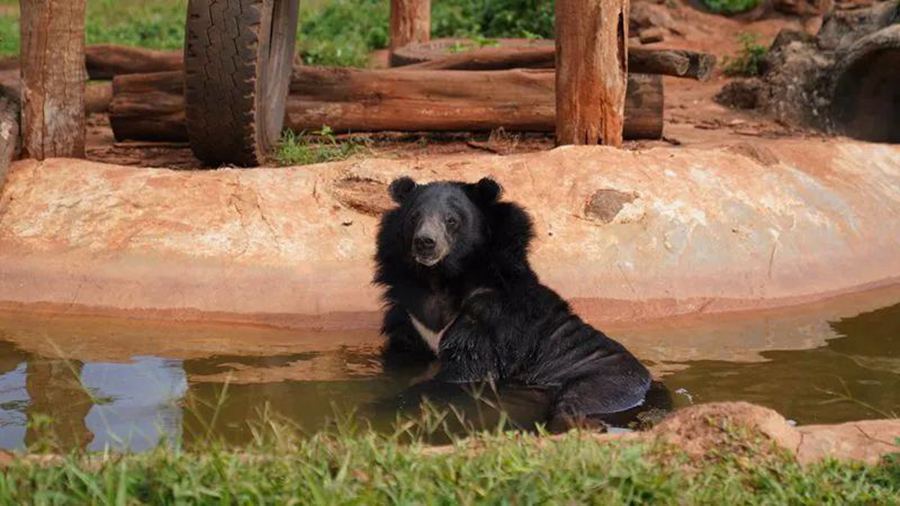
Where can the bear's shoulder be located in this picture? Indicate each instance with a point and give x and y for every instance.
(511, 233)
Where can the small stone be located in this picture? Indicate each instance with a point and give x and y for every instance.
(604, 205)
(740, 93)
(651, 35)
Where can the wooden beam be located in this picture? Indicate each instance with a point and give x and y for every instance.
(641, 60)
(410, 22)
(53, 78)
(105, 61)
(592, 70)
(150, 107)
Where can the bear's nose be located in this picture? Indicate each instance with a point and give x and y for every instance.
(423, 244)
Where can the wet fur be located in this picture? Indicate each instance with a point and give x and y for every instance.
(504, 325)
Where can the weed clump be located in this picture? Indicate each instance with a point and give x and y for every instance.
(318, 147)
(750, 59)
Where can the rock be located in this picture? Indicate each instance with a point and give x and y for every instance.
(866, 441)
(604, 205)
(711, 431)
(645, 15)
(842, 28)
(796, 80)
(801, 74)
(741, 93)
(727, 428)
(802, 7)
(651, 35)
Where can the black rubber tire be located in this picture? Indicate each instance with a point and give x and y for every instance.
(238, 58)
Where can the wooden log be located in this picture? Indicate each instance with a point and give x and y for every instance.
(641, 60)
(10, 143)
(591, 71)
(440, 48)
(149, 107)
(97, 97)
(410, 22)
(53, 78)
(105, 61)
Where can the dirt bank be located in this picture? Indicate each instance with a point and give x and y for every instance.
(627, 235)
(731, 429)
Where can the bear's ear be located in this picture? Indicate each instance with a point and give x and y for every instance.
(401, 188)
(486, 191)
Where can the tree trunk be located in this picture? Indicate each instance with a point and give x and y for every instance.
(9, 131)
(53, 78)
(150, 107)
(410, 22)
(592, 69)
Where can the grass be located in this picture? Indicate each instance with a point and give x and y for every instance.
(360, 467)
(322, 146)
(335, 32)
(730, 6)
(749, 61)
(155, 24)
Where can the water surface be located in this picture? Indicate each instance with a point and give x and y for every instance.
(99, 382)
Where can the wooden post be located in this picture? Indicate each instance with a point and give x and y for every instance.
(592, 68)
(9, 131)
(410, 22)
(53, 78)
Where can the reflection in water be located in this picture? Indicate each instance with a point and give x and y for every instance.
(850, 378)
(135, 405)
(96, 404)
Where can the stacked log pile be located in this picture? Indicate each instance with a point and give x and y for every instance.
(479, 90)
(483, 89)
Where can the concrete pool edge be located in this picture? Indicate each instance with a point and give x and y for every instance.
(627, 236)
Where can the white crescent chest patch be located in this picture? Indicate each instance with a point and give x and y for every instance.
(432, 338)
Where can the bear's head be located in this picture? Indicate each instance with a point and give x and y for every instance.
(443, 222)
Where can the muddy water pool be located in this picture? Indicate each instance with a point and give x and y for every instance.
(95, 382)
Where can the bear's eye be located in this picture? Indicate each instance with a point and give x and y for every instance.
(451, 222)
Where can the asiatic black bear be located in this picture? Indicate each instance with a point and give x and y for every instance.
(453, 260)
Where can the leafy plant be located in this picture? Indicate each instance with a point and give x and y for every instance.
(749, 61)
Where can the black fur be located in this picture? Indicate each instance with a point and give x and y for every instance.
(510, 328)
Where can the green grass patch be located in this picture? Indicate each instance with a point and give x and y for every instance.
(489, 468)
(750, 58)
(319, 147)
(336, 32)
(730, 6)
(157, 24)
